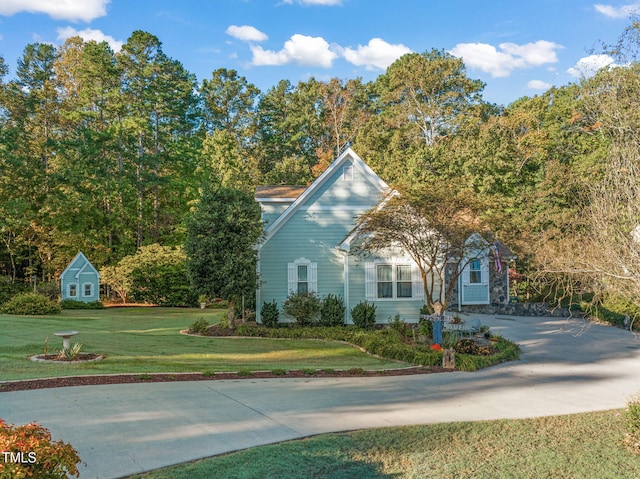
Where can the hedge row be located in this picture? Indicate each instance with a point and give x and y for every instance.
(387, 344)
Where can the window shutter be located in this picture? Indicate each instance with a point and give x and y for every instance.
(369, 281)
(417, 286)
(313, 277)
(292, 278)
(484, 264)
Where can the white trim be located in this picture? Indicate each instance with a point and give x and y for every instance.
(292, 275)
(84, 295)
(346, 155)
(274, 200)
(69, 295)
(371, 280)
(345, 281)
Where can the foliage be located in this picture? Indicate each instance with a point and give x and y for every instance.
(363, 315)
(45, 458)
(221, 235)
(332, 311)
(74, 304)
(70, 353)
(199, 326)
(303, 307)
(437, 227)
(31, 304)
(7, 289)
(632, 420)
(270, 314)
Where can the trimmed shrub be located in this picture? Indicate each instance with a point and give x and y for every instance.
(632, 419)
(332, 311)
(41, 456)
(270, 315)
(304, 307)
(363, 315)
(199, 326)
(31, 304)
(73, 304)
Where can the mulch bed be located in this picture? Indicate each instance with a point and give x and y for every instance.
(32, 384)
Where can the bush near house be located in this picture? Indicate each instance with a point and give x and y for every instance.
(73, 304)
(31, 304)
(363, 315)
(303, 307)
(270, 314)
(332, 311)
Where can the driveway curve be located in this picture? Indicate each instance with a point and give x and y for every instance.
(567, 366)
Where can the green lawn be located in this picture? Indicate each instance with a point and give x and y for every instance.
(146, 340)
(582, 446)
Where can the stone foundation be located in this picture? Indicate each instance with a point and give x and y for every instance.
(515, 309)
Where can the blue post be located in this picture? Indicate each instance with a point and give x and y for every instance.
(437, 331)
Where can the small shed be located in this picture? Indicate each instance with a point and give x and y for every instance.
(80, 280)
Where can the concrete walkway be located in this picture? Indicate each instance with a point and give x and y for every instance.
(568, 366)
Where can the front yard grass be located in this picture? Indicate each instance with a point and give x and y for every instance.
(581, 446)
(147, 340)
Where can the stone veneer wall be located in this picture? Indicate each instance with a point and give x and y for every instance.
(499, 299)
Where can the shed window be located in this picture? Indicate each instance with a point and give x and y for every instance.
(88, 289)
(73, 290)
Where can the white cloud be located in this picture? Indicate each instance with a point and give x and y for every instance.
(299, 49)
(315, 2)
(539, 85)
(624, 11)
(89, 34)
(72, 10)
(246, 33)
(510, 56)
(376, 54)
(589, 66)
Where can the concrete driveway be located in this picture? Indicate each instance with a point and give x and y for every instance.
(567, 366)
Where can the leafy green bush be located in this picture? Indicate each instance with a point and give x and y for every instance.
(304, 307)
(41, 457)
(31, 304)
(270, 314)
(632, 417)
(8, 289)
(74, 304)
(363, 315)
(199, 326)
(332, 311)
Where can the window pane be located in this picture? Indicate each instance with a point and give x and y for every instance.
(385, 289)
(404, 272)
(303, 287)
(72, 290)
(384, 272)
(302, 272)
(475, 274)
(87, 290)
(404, 290)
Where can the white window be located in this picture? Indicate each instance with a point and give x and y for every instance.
(392, 281)
(73, 290)
(302, 276)
(475, 272)
(87, 289)
(347, 173)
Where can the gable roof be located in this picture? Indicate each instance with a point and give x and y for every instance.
(86, 264)
(346, 155)
(278, 192)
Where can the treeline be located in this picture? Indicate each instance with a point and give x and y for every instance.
(106, 152)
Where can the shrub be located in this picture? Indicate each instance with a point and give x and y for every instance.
(270, 314)
(332, 311)
(41, 457)
(199, 326)
(425, 327)
(73, 304)
(304, 307)
(32, 304)
(8, 289)
(363, 315)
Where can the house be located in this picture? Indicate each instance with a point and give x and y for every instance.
(306, 247)
(80, 280)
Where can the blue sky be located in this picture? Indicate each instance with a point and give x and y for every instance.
(517, 48)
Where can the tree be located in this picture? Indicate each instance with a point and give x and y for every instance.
(434, 225)
(222, 233)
